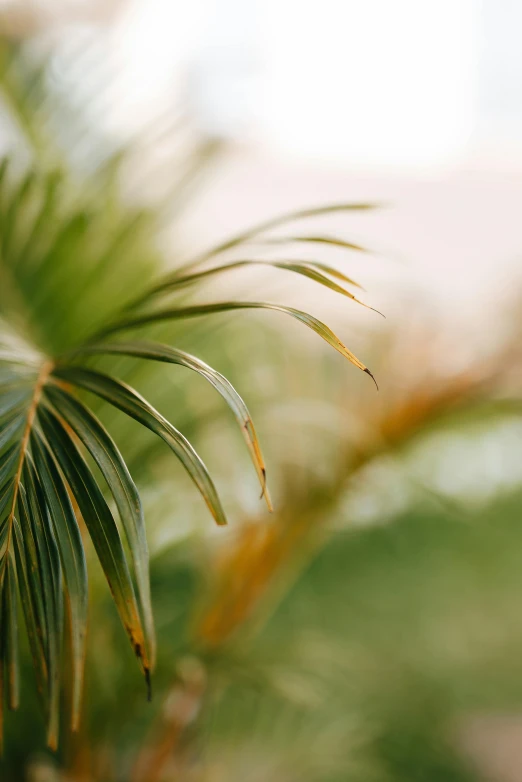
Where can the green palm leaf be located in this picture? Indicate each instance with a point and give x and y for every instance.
(51, 627)
(30, 589)
(314, 271)
(72, 558)
(9, 614)
(130, 402)
(333, 241)
(226, 306)
(252, 233)
(158, 352)
(105, 453)
(62, 247)
(102, 529)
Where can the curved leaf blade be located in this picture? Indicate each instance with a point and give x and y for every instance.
(51, 582)
(158, 352)
(134, 405)
(310, 269)
(113, 468)
(267, 225)
(332, 271)
(31, 598)
(72, 558)
(102, 529)
(257, 230)
(226, 306)
(334, 241)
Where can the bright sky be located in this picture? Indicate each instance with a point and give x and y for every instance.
(362, 83)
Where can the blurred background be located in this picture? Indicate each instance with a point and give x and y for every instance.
(371, 628)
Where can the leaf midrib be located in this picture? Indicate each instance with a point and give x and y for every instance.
(44, 373)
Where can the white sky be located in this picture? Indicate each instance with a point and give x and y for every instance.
(406, 83)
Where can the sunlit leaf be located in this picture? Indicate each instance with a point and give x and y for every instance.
(225, 306)
(102, 529)
(328, 240)
(108, 458)
(275, 222)
(314, 271)
(73, 256)
(158, 352)
(134, 405)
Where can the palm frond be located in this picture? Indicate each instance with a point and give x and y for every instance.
(73, 260)
(262, 228)
(226, 306)
(313, 270)
(169, 355)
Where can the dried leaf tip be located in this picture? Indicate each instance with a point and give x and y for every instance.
(372, 377)
(377, 311)
(265, 493)
(263, 485)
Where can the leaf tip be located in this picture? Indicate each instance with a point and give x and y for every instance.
(372, 377)
(263, 484)
(369, 308)
(265, 493)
